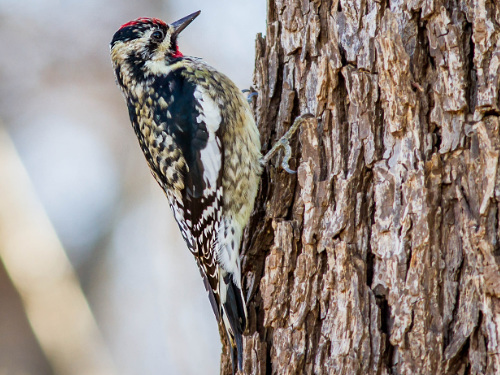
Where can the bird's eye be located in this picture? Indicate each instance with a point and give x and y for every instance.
(157, 35)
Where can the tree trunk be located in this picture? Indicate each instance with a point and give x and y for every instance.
(381, 255)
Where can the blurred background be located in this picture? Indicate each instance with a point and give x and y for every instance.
(74, 185)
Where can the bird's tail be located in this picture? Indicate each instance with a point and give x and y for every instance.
(234, 315)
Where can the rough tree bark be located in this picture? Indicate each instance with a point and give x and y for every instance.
(381, 256)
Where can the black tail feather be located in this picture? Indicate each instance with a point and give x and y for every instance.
(236, 315)
(233, 362)
(239, 349)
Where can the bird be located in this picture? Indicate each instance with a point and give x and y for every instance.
(202, 145)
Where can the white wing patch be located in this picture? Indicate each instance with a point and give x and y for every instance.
(211, 155)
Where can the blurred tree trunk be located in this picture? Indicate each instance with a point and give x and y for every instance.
(381, 255)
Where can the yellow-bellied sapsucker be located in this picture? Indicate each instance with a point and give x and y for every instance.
(202, 145)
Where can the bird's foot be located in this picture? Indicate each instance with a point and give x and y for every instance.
(251, 94)
(284, 142)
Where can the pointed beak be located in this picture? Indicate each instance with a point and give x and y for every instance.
(183, 23)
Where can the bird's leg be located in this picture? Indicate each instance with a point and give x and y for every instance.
(284, 142)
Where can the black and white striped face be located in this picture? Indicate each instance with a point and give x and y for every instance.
(139, 41)
(147, 40)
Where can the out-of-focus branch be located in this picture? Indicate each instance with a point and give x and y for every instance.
(39, 269)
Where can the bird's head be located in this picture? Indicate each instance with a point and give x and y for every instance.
(147, 41)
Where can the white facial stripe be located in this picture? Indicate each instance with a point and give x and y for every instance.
(159, 66)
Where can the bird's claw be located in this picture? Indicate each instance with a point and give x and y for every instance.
(286, 158)
(250, 95)
(284, 142)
